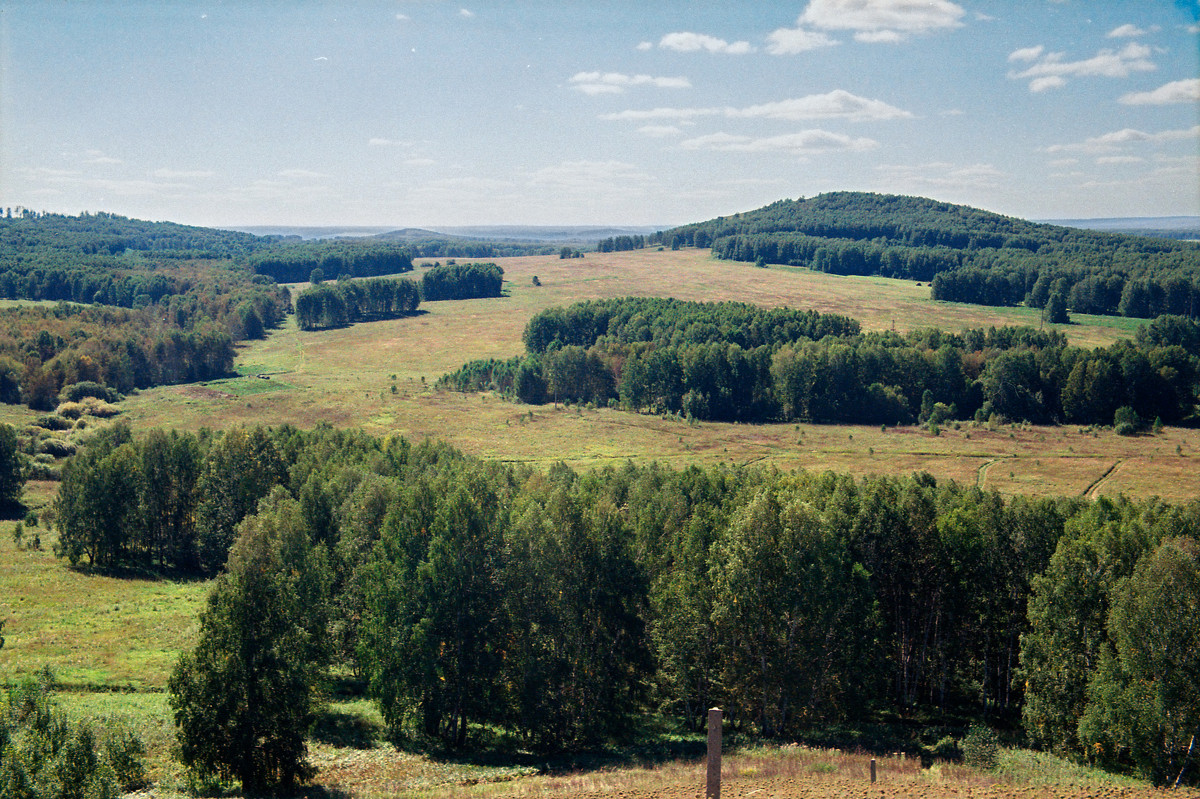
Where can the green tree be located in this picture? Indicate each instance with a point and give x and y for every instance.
(240, 469)
(1144, 700)
(431, 638)
(12, 472)
(245, 698)
(792, 613)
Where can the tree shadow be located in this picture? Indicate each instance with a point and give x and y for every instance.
(347, 730)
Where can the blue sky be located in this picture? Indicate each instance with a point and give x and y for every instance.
(429, 113)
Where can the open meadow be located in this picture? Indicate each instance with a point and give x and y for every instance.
(379, 376)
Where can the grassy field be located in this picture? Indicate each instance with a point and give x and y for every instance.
(379, 377)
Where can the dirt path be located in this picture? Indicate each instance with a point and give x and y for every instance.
(1093, 491)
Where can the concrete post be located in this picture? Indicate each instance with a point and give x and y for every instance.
(713, 790)
(872, 769)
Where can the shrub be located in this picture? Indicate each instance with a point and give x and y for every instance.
(981, 747)
(86, 388)
(58, 447)
(71, 410)
(52, 421)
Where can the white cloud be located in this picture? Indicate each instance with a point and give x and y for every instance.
(1026, 53)
(1049, 82)
(1059, 162)
(896, 18)
(1051, 71)
(789, 41)
(804, 142)
(466, 13)
(659, 131)
(688, 42)
(943, 175)
(420, 162)
(1115, 140)
(176, 174)
(616, 82)
(300, 174)
(1120, 159)
(837, 104)
(1130, 31)
(98, 157)
(1179, 91)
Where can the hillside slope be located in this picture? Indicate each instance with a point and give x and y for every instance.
(971, 255)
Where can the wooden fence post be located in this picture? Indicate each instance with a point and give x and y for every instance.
(872, 769)
(713, 791)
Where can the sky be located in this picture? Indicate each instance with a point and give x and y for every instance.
(426, 113)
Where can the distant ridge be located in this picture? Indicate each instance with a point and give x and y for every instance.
(575, 234)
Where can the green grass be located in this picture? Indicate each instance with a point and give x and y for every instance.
(93, 631)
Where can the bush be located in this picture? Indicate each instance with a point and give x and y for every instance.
(981, 747)
(71, 410)
(86, 388)
(58, 447)
(52, 421)
(1126, 421)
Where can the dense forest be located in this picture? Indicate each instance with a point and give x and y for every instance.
(146, 303)
(560, 604)
(735, 362)
(969, 255)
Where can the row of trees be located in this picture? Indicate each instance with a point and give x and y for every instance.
(1017, 373)
(461, 282)
(349, 301)
(557, 604)
(663, 322)
(294, 262)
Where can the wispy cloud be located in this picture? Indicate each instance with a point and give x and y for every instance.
(805, 142)
(871, 21)
(183, 174)
(300, 174)
(1130, 31)
(617, 82)
(659, 131)
(942, 175)
(1117, 139)
(688, 42)
(1178, 91)
(1051, 70)
(837, 104)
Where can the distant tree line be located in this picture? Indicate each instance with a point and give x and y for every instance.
(350, 301)
(293, 263)
(461, 282)
(968, 254)
(621, 243)
(669, 357)
(558, 604)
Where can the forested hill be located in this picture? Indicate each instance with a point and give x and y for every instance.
(971, 255)
(897, 219)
